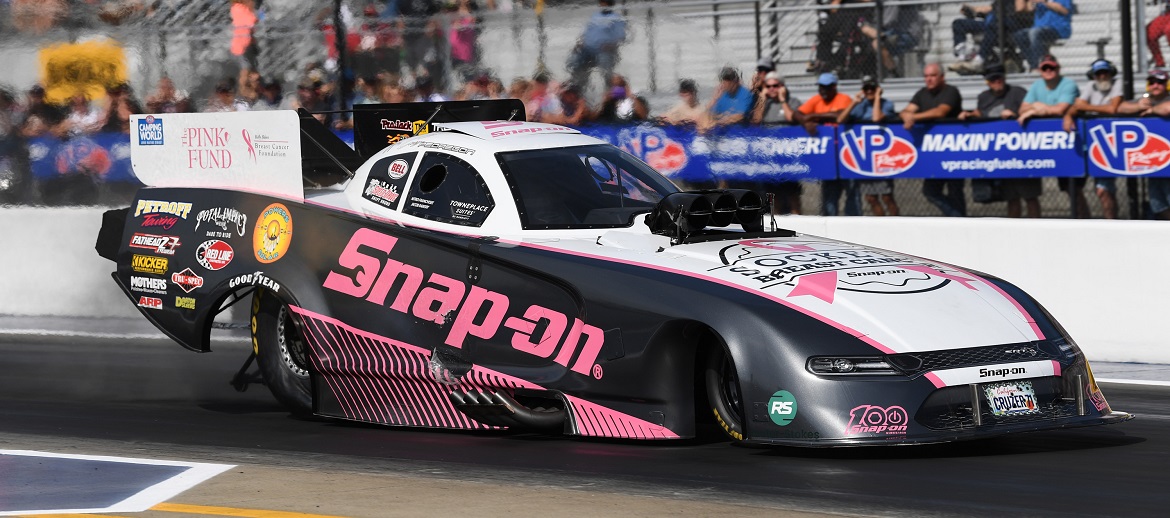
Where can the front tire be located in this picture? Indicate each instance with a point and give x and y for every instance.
(723, 393)
(281, 353)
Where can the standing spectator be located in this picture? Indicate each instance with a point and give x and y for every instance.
(1003, 101)
(598, 46)
(243, 44)
(224, 99)
(620, 104)
(731, 101)
(1051, 95)
(688, 110)
(461, 36)
(39, 117)
(1158, 27)
(824, 108)
(1153, 101)
(1102, 96)
(776, 106)
(869, 106)
(166, 99)
(1019, 16)
(937, 100)
(1051, 20)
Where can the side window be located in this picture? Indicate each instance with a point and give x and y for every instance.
(387, 180)
(448, 189)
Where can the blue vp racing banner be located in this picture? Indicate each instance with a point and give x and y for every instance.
(1128, 147)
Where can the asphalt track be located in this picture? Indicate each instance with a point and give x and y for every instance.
(158, 400)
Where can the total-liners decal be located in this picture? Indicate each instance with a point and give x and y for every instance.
(372, 279)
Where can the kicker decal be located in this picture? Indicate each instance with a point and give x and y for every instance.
(214, 254)
(149, 264)
(476, 311)
(222, 217)
(187, 280)
(273, 233)
(159, 244)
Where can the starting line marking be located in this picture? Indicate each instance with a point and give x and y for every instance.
(233, 511)
(195, 474)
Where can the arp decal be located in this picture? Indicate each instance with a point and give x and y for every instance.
(477, 311)
(1127, 148)
(782, 407)
(185, 302)
(254, 279)
(159, 244)
(222, 217)
(214, 254)
(187, 280)
(149, 264)
(876, 151)
(148, 285)
(150, 131)
(273, 233)
(870, 419)
(150, 302)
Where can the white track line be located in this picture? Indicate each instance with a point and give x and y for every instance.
(1153, 383)
(84, 334)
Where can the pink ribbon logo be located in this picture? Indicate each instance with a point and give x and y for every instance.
(248, 141)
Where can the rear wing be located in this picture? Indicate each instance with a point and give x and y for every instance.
(376, 126)
(273, 152)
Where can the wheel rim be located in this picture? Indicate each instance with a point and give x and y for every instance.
(729, 388)
(292, 348)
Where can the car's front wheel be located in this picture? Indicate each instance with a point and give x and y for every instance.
(723, 393)
(281, 353)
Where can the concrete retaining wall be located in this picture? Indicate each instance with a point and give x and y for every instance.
(1106, 281)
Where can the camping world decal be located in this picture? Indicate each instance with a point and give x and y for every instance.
(273, 233)
(1125, 147)
(214, 254)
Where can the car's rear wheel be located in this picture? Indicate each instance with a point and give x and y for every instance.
(723, 394)
(281, 353)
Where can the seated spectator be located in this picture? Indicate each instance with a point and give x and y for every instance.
(775, 105)
(1158, 27)
(620, 104)
(1051, 95)
(1000, 100)
(424, 88)
(393, 93)
(572, 109)
(1100, 96)
(869, 106)
(934, 101)
(120, 105)
(272, 97)
(970, 62)
(82, 118)
(519, 89)
(688, 110)
(365, 90)
(1051, 20)
(764, 67)
(39, 117)
(224, 99)
(834, 28)
(731, 101)
(540, 99)
(1153, 101)
(166, 99)
(901, 30)
(824, 108)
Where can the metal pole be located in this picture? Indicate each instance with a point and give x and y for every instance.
(339, 43)
(759, 37)
(881, 63)
(715, 18)
(1000, 29)
(1141, 42)
(650, 41)
(1127, 47)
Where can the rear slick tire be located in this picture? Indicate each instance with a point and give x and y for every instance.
(723, 394)
(281, 353)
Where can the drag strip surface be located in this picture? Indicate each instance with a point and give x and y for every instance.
(161, 400)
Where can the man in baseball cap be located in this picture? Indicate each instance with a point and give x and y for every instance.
(824, 108)
(1049, 96)
(731, 101)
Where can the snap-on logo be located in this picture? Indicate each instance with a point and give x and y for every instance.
(477, 311)
(876, 151)
(1127, 147)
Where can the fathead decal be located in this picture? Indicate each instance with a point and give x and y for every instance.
(273, 233)
(214, 254)
(159, 244)
(876, 151)
(375, 277)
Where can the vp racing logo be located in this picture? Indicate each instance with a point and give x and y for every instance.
(652, 145)
(876, 151)
(1128, 148)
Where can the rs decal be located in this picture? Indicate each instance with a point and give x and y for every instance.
(380, 279)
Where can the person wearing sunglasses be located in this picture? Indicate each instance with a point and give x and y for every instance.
(868, 105)
(776, 105)
(824, 108)
(1153, 101)
(1051, 95)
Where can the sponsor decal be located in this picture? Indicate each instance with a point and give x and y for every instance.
(367, 271)
(444, 147)
(789, 433)
(273, 233)
(382, 193)
(150, 131)
(254, 279)
(222, 217)
(150, 302)
(263, 145)
(654, 147)
(149, 264)
(420, 127)
(207, 147)
(1128, 148)
(397, 125)
(180, 209)
(187, 280)
(465, 211)
(159, 244)
(214, 254)
(1097, 398)
(519, 127)
(148, 285)
(159, 220)
(1012, 398)
(398, 169)
(876, 151)
(782, 407)
(185, 302)
(1022, 351)
(1002, 373)
(871, 419)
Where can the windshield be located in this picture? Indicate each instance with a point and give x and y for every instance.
(596, 186)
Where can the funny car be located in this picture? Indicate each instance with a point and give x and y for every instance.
(462, 268)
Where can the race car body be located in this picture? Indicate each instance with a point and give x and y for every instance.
(502, 273)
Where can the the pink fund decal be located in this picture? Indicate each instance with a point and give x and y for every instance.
(938, 382)
(820, 285)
